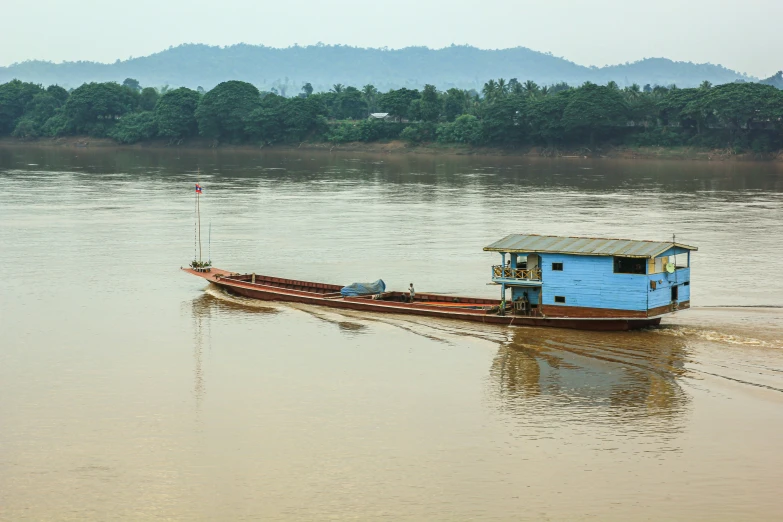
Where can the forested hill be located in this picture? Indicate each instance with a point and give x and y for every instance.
(288, 69)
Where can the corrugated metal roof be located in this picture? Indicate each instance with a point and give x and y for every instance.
(586, 246)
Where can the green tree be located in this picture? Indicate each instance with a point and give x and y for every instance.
(455, 103)
(502, 87)
(94, 107)
(131, 84)
(25, 129)
(307, 89)
(42, 107)
(545, 118)
(351, 104)
(531, 88)
(59, 94)
(430, 104)
(593, 109)
(176, 113)
(135, 127)
(370, 96)
(514, 87)
(278, 119)
(740, 106)
(14, 99)
(465, 129)
(301, 117)
(490, 91)
(222, 112)
(559, 87)
(505, 121)
(397, 102)
(633, 91)
(148, 99)
(682, 108)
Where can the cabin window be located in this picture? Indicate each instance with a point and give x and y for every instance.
(630, 265)
(680, 260)
(558, 267)
(560, 299)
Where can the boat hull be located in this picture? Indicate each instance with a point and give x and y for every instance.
(267, 288)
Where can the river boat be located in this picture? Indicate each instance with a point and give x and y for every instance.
(554, 281)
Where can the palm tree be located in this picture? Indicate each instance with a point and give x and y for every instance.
(531, 88)
(544, 90)
(705, 85)
(613, 85)
(633, 92)
(514, 87)
(337, 88)
(370, 94)
(660, 91)
(502, 87)
(490, 90)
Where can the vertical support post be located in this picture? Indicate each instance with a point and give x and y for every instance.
(513, 260)
(198, 216)
(502, 310)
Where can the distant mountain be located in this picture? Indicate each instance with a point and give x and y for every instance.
(288, 69)
(775, 80)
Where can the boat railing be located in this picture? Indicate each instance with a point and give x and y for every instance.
(506, 272)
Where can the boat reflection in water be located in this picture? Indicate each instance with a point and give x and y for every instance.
(548, 381)
(621, 379)
(215, 302)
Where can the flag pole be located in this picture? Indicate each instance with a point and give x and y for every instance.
(198, 213)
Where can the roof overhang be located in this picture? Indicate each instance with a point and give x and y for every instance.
(583, 246)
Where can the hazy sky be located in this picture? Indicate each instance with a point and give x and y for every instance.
(744, 35)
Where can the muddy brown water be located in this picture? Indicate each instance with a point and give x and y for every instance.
(130, 391)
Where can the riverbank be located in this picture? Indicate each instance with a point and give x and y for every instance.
(401, 147)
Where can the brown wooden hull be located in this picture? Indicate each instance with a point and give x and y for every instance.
(431, 305)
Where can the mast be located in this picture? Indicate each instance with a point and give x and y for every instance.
(198, 212)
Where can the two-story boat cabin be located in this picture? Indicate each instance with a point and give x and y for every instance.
(580, 277)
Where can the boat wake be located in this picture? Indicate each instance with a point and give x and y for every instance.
(721, 343)
(715, 336)
(237, 302)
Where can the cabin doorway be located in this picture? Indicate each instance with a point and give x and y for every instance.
(675, 294)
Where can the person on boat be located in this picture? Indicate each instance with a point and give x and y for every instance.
(411, 293)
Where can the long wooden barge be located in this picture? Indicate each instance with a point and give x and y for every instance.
(493, 311)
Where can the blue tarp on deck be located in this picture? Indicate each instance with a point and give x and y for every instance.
(355, 289)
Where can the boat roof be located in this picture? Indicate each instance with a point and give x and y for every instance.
(586, 246)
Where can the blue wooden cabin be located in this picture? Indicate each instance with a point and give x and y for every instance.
(554, 276)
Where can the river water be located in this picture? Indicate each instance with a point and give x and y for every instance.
(131, 391)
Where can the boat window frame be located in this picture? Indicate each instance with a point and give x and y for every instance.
(560, 299)
(557, 267)
(643, 262)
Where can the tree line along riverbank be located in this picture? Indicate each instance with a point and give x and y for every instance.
(736, 117)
